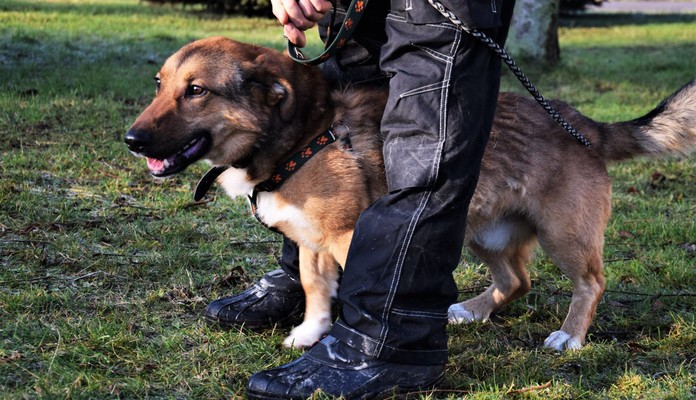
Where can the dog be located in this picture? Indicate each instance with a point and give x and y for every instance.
(247, 110)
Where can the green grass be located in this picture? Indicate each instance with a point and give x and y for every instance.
(104, 271)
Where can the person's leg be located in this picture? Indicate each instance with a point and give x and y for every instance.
(278, 298)
(397, 283)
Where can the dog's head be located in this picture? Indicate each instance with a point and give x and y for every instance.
(216, 100)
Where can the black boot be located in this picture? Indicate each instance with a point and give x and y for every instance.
(339, 370)
(277, 299)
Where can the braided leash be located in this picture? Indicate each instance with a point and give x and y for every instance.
(505, 57)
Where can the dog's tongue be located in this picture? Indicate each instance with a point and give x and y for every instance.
(154, 164)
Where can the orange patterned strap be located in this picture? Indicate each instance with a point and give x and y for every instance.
(286, 169)
(281, 174)
(353, 15)
(292, 164)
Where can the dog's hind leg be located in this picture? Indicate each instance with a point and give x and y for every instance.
(580, 258)
(574, 240)
(506, 257)
(319, 277)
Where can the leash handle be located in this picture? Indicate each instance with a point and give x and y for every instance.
(354, 14)
(505, 57)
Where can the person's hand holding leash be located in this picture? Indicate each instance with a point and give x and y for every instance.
(297, 16)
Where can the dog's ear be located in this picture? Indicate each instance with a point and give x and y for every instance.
(282, 95)
(267, 69)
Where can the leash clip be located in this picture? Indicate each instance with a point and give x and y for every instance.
(299, 55)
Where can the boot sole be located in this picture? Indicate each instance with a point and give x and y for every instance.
(391, 393)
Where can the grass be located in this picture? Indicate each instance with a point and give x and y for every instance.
(104, 271)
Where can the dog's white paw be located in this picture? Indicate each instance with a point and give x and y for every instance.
(561, 340)
(306, 334)
(457, 314)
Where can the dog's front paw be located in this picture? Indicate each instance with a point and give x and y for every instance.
(306, 334)
(561, 340)
(458, 314)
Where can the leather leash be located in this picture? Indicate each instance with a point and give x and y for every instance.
(354, 13)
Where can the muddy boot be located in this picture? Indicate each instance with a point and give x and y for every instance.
(339, 370)
(276, 299)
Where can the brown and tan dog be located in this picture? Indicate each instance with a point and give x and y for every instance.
(250, 108)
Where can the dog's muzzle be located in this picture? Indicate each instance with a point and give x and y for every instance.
(161, 163)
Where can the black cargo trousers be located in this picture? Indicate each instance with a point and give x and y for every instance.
(443, 83)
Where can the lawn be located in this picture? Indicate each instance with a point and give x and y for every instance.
(105, 271)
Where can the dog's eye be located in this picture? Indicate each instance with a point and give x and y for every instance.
(195, 91)
(158, 82)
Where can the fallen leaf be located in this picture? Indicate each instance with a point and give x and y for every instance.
(626, 235)
(657, 305)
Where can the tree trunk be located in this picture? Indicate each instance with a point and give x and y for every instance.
(534, 31)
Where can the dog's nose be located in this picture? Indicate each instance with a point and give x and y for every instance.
(137, 140)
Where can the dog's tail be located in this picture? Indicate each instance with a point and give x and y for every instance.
(669, 129)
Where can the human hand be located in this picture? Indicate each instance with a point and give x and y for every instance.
(297, 16)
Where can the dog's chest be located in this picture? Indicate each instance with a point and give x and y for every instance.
(292, 221)
(272, 209)
(236, 182)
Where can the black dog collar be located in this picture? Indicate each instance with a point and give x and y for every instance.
(281, 174)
